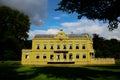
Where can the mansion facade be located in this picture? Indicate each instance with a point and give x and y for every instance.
(62, 49)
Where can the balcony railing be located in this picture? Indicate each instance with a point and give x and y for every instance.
(60, 51)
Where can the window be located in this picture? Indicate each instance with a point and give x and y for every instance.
(70, 56)
(51, 56)
(37, 46)
(91, 54)
(37, 56)
(64, 46)
(58, 46)
(26, 56)
(58, 56)
(51, 46)
(77, 56)
(45, 46)
(84, 56)
(64, 56)
(83, 46)
(77, 46)
(70, 47)
(44, 56)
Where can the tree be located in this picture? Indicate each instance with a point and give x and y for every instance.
(14, 26)
(105, 10)
(106, 48)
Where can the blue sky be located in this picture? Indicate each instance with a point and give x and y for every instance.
(45, 20)
(56, 19)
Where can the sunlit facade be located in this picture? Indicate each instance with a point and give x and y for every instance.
(62, 49)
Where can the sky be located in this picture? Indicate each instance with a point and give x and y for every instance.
(45, 20)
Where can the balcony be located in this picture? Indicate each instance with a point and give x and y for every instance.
(60, 51)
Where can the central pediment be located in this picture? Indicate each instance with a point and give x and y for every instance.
(61, 35)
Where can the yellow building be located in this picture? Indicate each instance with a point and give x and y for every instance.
(70, 49)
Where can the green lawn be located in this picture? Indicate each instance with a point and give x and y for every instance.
(12, 70)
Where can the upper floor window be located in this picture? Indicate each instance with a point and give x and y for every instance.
(64, 46)
(64, 56)
(37, 46)
(77, 46)
(37, 56)
(45, 46)
(70, 47)
(58, 46)
(83, 46)
(51, 46)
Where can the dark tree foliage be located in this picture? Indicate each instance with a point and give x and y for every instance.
(105, 10)
(14, 26)
(106, 48)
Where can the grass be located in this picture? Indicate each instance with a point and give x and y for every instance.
(12, 70)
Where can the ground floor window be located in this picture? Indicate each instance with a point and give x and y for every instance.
(77, 56)
(37, 56)
(64, 56)
(84, 56)
(51, 56)
(58, 56)
(44, 56)
(26, 56)
(70, 56)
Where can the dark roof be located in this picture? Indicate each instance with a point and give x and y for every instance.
(44, 36)
(52, 36)
(77, 36)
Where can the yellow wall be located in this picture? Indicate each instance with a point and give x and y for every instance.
(61, 38)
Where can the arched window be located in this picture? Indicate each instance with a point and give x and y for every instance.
(84, 56)
(58, 46)
(45, 46)
(70, 47)
(64, 46)
(37, 56)
(26, 56)
(70, 56)
(77, 46)
(44, 56)
(51, 56)
(51, 46)
(37, 46)
(64, 56)
(83, 46)
(77, 56)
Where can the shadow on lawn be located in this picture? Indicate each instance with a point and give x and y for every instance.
(69, 73)
(73, 73)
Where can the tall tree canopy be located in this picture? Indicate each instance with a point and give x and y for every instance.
(106, 48)
(106, 10)
(14, 26)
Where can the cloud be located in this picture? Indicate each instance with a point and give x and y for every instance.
(82, 26)
(91, 27)
(35, 9)
(49, 31)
